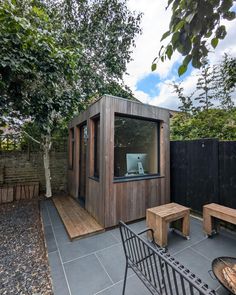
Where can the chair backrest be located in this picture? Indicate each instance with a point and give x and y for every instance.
(157, 269)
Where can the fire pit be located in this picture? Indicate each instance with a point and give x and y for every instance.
(224, 269)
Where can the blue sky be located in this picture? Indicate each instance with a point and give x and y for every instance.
(154, 87)
(150, 84)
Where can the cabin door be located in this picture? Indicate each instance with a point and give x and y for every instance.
(82, 163)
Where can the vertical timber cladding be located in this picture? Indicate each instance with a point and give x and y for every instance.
(108, 201)
(94, 203)
(128, 200)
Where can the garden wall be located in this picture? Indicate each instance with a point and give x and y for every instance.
(25, 167)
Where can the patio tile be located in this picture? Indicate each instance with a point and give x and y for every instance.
(138, 226)
(218, 245)
(113, 260)
(197, 264)
(45, 217)
(50, 240)
(222, 291)
(58, 277)
(177, 243)
(86, 276)
(54, 217)
(86, 246)
(116, 233)
(133, 287)
(61, 235)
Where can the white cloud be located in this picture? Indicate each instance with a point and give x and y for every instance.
(155, 22)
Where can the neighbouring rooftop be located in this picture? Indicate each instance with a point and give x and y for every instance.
(96, 264)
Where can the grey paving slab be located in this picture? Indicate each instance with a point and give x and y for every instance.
(116, 233)
(222, 291)
(95, 265)
(86, 246)
(50, 240)
(113, 260)
(133, 287)
(86, 276)
(218, 245)
(138, 226)
(197, 264)
(61, 235)
(177, 242)
(45, 217)
(58, 277)
(55, 217)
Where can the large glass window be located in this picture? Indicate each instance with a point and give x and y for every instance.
(96, 146)
(136, 147)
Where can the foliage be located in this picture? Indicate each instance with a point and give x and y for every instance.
(205, 120)
(212, 85)
(56, 57)
(225, 81)
(194, 27)
(205, 86)
(214, 123)
(106, 30)
(38, 67)
(186, 101)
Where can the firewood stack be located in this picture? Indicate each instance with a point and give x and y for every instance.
(229, 274)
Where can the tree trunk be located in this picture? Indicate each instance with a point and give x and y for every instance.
(46, 161)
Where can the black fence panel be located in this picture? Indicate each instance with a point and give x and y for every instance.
(203, 171)
(227, 173)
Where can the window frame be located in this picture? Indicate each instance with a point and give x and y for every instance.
(139, 177)
(72, 148)
(96, 157)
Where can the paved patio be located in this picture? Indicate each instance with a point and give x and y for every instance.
(95, 265)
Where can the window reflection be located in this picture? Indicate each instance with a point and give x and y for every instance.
(135, 147)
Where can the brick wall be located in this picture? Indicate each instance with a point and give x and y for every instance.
(20, 166)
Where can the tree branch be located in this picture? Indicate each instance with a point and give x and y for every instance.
(35, 140)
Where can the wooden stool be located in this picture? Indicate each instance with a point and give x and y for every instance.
(213, 211)
(159, 217)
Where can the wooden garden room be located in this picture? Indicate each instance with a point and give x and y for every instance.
(119, 159)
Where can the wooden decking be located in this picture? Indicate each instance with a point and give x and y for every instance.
(77, 221)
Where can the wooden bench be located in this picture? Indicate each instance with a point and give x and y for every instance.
(213, 211)
(158, 218)
(156, 268)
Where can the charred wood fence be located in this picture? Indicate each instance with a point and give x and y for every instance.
(203, 171)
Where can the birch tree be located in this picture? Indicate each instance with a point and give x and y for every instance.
(51, 64)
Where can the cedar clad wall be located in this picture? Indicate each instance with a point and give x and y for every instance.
(108, 200)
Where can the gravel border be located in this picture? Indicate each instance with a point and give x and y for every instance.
(24, 265)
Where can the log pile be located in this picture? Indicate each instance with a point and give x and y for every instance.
(229, 274)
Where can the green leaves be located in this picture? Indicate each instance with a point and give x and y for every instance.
(169, 51)
(165, 35)
(182, 69)
(214, 123)
(191, 27)
(214, 42)
(50, 66)
(154, 66)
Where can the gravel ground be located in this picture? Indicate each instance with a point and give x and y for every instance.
(23, 261)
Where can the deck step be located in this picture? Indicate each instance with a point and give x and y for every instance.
(77, 221)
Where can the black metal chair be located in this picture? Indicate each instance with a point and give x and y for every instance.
(156, 268)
